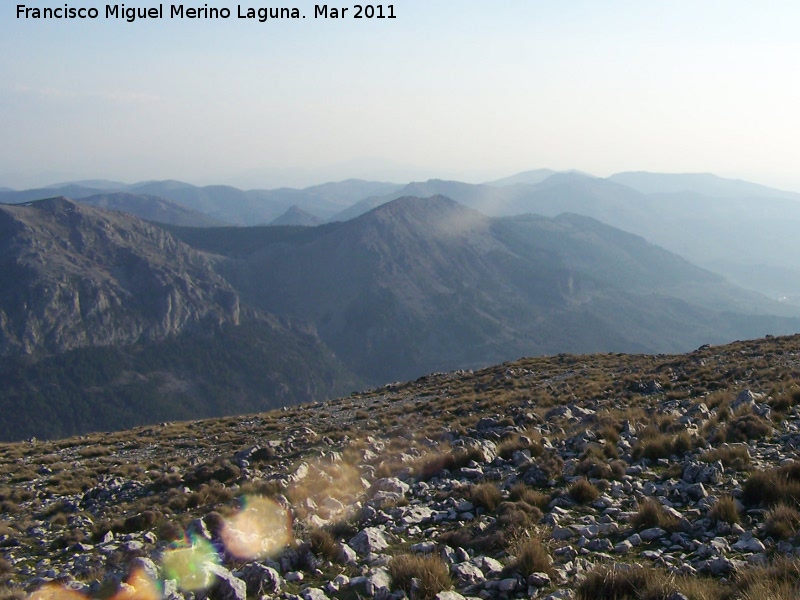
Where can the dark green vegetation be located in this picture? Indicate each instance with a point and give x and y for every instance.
(235, 370)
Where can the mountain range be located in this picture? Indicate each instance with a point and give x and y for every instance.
(427, 284)
(224, 204)
(108, 321)
(739, 229)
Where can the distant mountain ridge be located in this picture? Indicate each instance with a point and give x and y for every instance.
(152, 208)
(417, 285)
(706, 184)
(225, 204)
(696, 215)
(700, 227)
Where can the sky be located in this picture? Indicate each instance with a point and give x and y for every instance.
(460, 89)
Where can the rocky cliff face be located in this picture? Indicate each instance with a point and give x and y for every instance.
(74, 276)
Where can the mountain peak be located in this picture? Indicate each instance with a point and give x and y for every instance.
(433, 215)
(295, 215)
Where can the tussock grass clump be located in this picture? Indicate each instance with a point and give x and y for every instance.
(512, 517)
(782, 400)
(324, 544)
(747, 427)
(778, 580)
(651, 513)
(485, 495)
(725, 510)
(782, 521)
(776, 486)
(433, 466)
(734, 457)
(140, 521)
(507, 448)
(550, 464)
(583, 492)
(170, 531)
(600, 468)
(628, 582)
(618, 583)
(221, 471)
(520, 491)
(664, 445)
(532, 557)
(430, 571)
(610, 432)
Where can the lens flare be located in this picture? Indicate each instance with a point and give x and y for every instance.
(262, 528)
(52, 591)
(138, 587)
(330, 487)
(189, 565)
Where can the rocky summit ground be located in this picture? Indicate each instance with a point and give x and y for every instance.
(597, 476)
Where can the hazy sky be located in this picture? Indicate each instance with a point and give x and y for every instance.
(454, 89)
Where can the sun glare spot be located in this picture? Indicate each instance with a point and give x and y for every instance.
(138, 587)
(328, 491)
(52, 591)
(189, 565)
(262, 528)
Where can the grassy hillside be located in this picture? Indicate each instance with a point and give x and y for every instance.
(583, 476)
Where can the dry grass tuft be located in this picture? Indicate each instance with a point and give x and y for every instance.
(735, 457)
(782, 521)
(651, 513)
(629, 582)
(776, 486)
(485, 495)
(725, 510)
(747, 427)
(532, 557)
(430, 572)
(583, 492)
